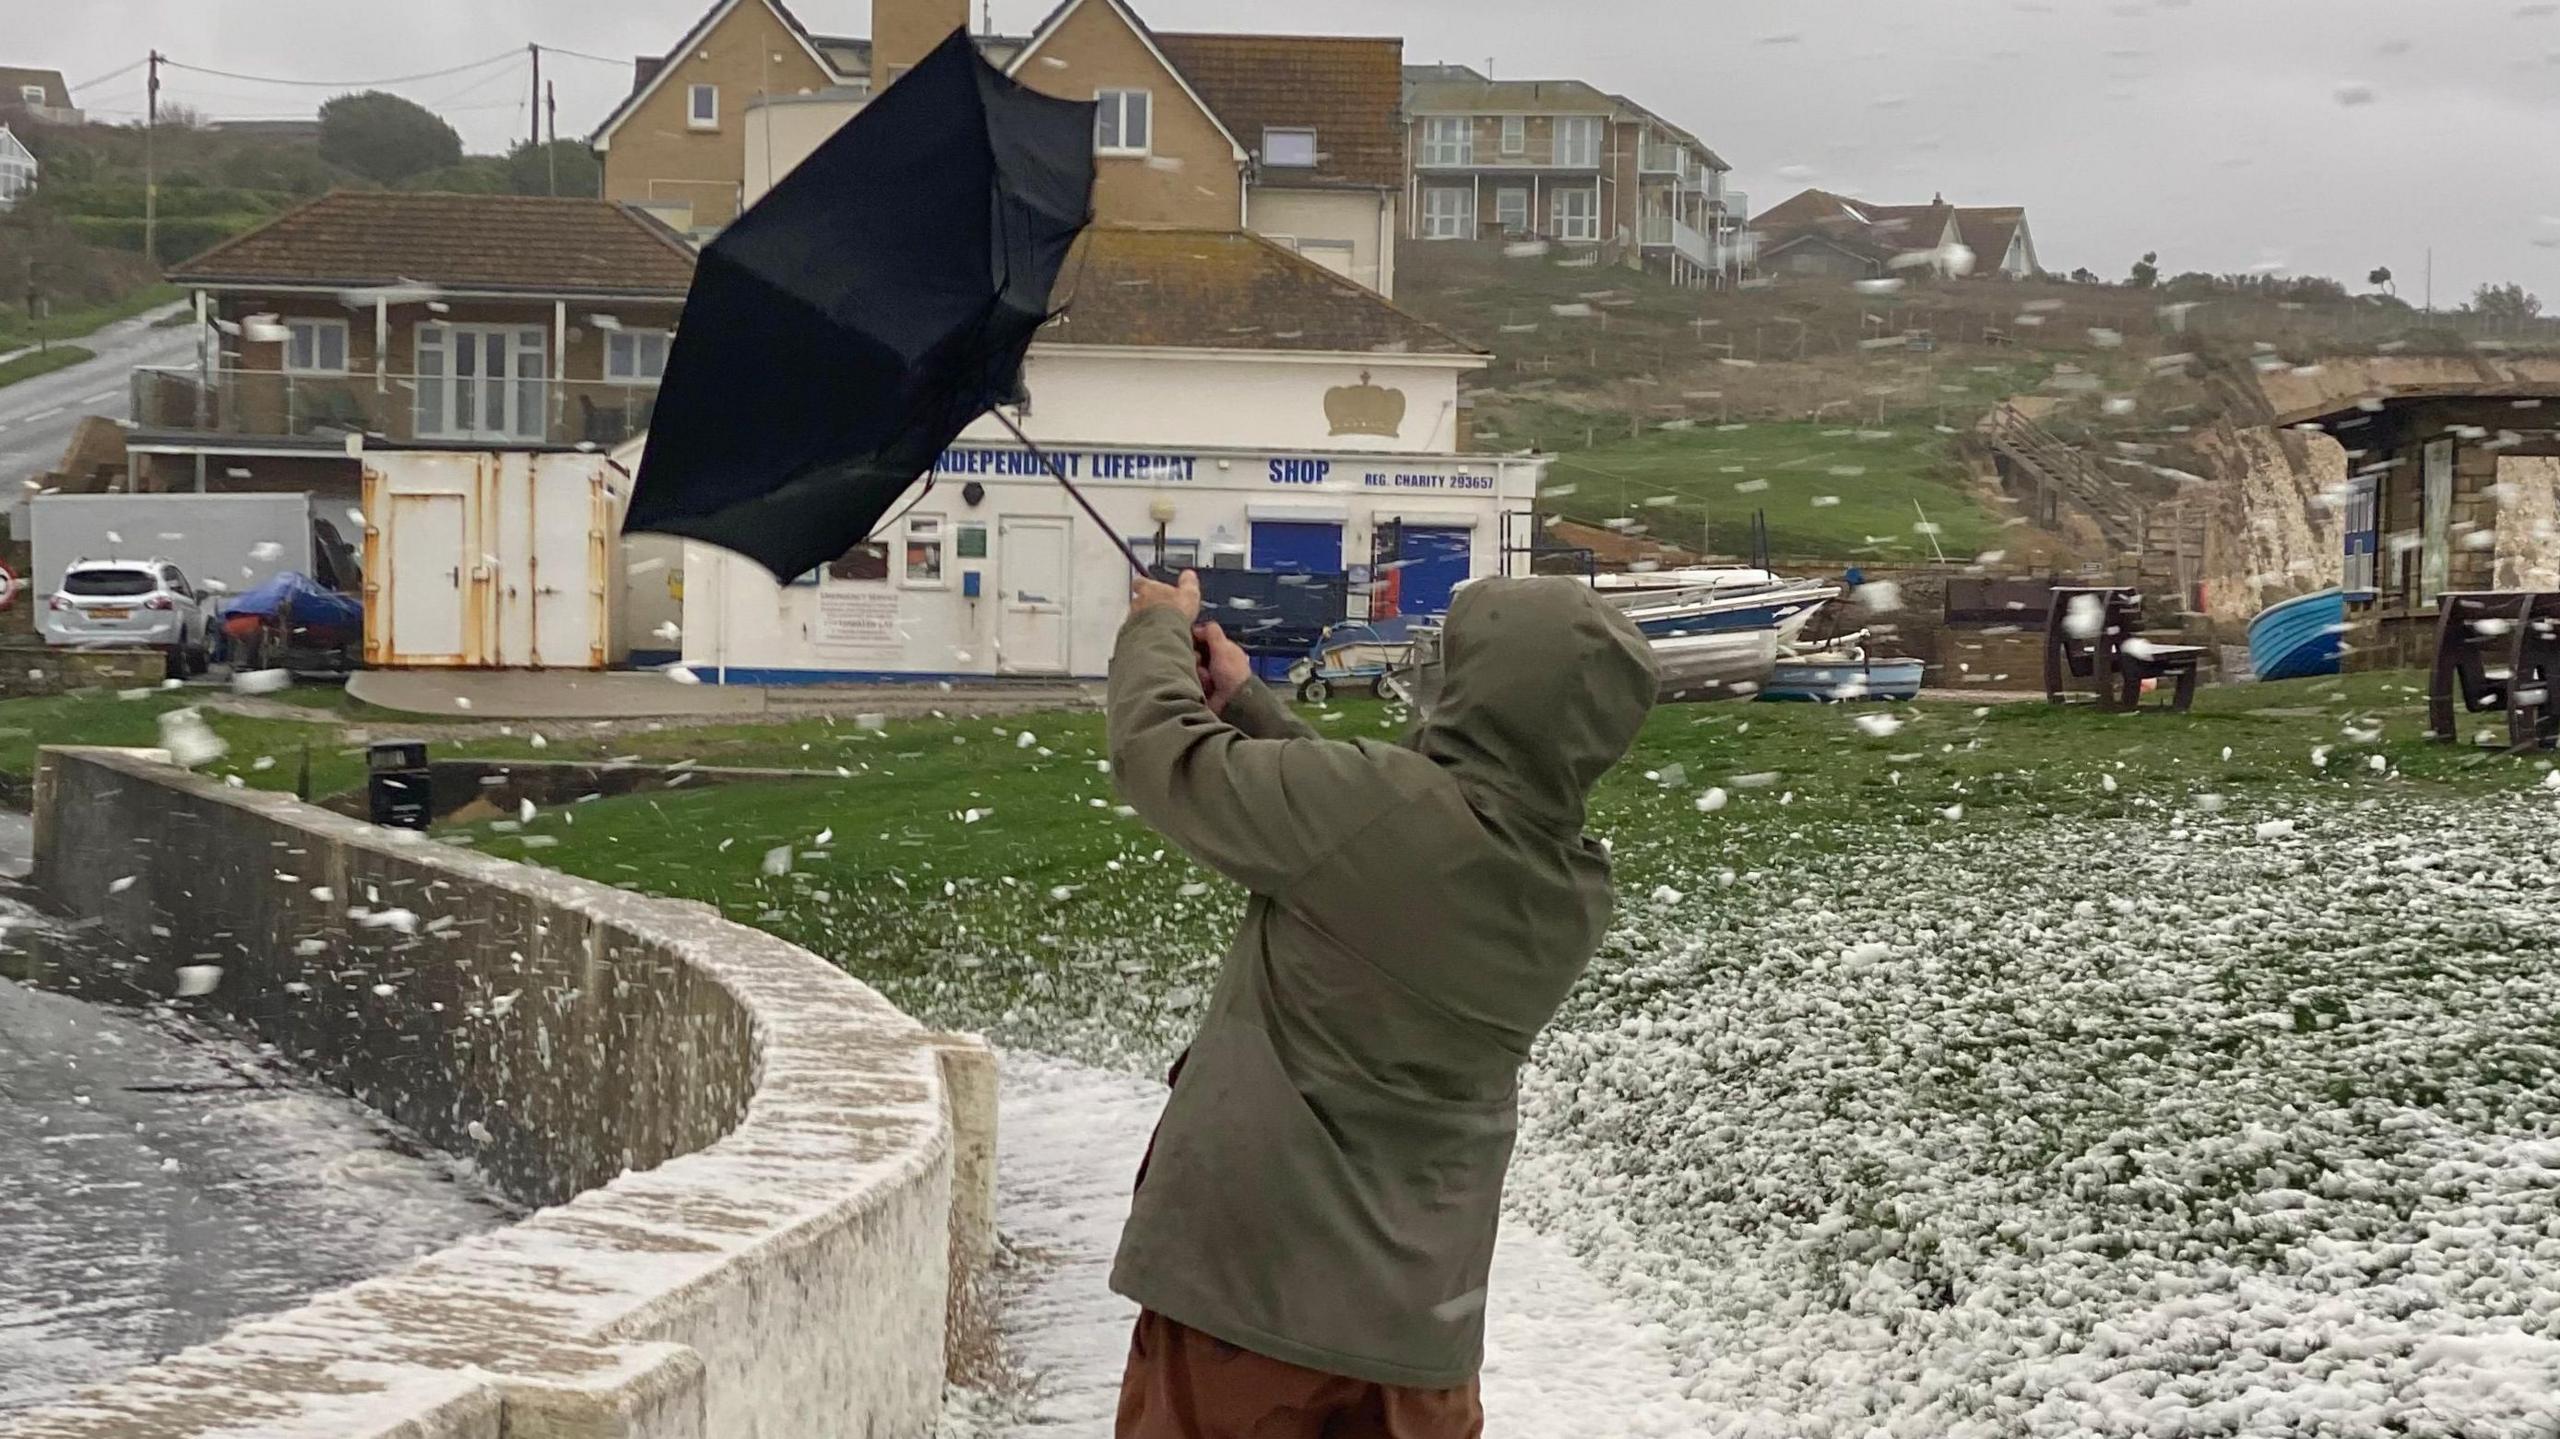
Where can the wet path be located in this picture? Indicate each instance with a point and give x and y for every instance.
(161, 1180)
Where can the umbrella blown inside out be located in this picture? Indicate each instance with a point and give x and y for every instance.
(843, 332)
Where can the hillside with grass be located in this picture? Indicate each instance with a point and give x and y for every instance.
(1837, 410)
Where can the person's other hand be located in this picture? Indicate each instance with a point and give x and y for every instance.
(1224, 669)
(1182, 599)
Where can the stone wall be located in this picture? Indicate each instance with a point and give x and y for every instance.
(32, 667)
(750, 1156)
(2527, 523)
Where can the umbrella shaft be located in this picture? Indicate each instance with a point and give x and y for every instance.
(1058, 473)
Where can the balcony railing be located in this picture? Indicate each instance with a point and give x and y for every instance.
(1665, 232)
(268, 404)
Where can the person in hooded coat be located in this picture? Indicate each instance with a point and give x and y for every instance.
(1314, 1225)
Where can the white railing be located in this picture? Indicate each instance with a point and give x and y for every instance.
(271, 404)
(1666, 232)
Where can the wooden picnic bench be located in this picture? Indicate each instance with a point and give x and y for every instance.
(2092, 635)
(2498, 650)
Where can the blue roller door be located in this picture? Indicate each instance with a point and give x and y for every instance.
(1300, 547)
(1436, 562)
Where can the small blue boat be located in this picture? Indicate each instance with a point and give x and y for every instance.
(1837, 679)
(2299, 638)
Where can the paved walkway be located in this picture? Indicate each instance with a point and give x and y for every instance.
(1565, 1359)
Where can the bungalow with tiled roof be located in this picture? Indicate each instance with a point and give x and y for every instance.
(1294, 137)
(482, 321)
(1818, 234)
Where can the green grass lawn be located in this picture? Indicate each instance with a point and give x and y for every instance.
(1830, 491)
(43, 362)
(16, 330)
(115, 719)
(1051, 918)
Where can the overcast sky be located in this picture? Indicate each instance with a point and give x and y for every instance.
(2314, 136)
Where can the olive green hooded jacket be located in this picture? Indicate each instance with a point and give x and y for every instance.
(1327, 1177)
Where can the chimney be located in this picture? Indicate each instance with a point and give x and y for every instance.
(903, 32)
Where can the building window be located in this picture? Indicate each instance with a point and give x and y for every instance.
(2363, 516)
(1578, 142)
(865, 563)
(1122, 126)
(2435, 556)
(1511, 210)
(1449, 213)
(1178, 554)
(315, 347)
(1515, 134)
(31, 94)
(1577, 215)
(924, 551)
(703, 107)
(635, 356)
(1449, 140)
(1295, 149)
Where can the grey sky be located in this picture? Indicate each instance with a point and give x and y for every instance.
(2211, 130)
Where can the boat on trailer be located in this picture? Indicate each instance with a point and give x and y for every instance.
(2300, 638)
(1842, 676)
(1783, 607)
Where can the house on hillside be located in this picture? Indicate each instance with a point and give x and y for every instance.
(1818, 234)
(18, 169)
(1567, 162)
(36, 95)
(1294, 137)
(475, 321)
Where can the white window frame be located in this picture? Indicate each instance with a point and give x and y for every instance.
(1505, 210)
(623, 356)
(1448, 139)
(1112, 118)
(1584, 225)
(1585, 128)
(924, 530)
(694, 118)
(1271, 151)
(1455, 220)
(1515, 134)
(31, 95)
(306, 337)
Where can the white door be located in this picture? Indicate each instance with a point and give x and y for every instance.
(570, 534)
(426, 579)
(1031, 613)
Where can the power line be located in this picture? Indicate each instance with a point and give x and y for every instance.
(347, 84)
(583, 55)
(101, 80)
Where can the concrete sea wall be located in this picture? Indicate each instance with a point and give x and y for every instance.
(759, 1175)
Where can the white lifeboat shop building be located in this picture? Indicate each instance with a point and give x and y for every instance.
(1207, 388)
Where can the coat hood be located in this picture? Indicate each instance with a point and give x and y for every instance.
(1544, 686)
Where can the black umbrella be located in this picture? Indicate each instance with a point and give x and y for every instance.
(842, 333)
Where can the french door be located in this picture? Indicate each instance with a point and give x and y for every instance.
(483, 382)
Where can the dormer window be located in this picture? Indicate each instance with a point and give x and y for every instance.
(1289, 149)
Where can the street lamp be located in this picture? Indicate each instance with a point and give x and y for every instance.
(1161, 511)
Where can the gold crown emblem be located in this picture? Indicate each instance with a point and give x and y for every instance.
(1365, 409)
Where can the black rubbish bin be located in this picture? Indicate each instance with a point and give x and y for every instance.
(399, 789)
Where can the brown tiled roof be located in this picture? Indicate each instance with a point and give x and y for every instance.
(516, 243)
(1458, 90)
(1349, 89)
(1225, 290)
(1989, 230)
(1854, 224)
(56, 93)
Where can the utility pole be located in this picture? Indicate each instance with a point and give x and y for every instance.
(551, 152)
(2431, 279)
(150, 169)
(533, 115)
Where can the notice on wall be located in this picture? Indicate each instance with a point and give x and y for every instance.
(858, 618)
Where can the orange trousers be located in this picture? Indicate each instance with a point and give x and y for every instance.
(1182, 1384)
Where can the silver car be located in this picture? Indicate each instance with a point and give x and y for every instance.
(131, 604)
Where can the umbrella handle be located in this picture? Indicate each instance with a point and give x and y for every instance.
(1058, 473)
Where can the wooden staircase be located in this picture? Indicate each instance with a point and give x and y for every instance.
(2051, 471)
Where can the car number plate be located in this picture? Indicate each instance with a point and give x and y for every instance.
(120, 614)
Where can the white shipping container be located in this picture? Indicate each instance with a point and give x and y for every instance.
(491, 560)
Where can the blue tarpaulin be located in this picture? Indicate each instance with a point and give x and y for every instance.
(313, 607)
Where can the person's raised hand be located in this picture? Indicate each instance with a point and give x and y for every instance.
(1183, 599)
(1224, 667)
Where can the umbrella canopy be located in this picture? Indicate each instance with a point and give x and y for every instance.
(842, 333)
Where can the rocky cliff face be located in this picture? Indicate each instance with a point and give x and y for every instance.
(2528, 530)
(2273, 525)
